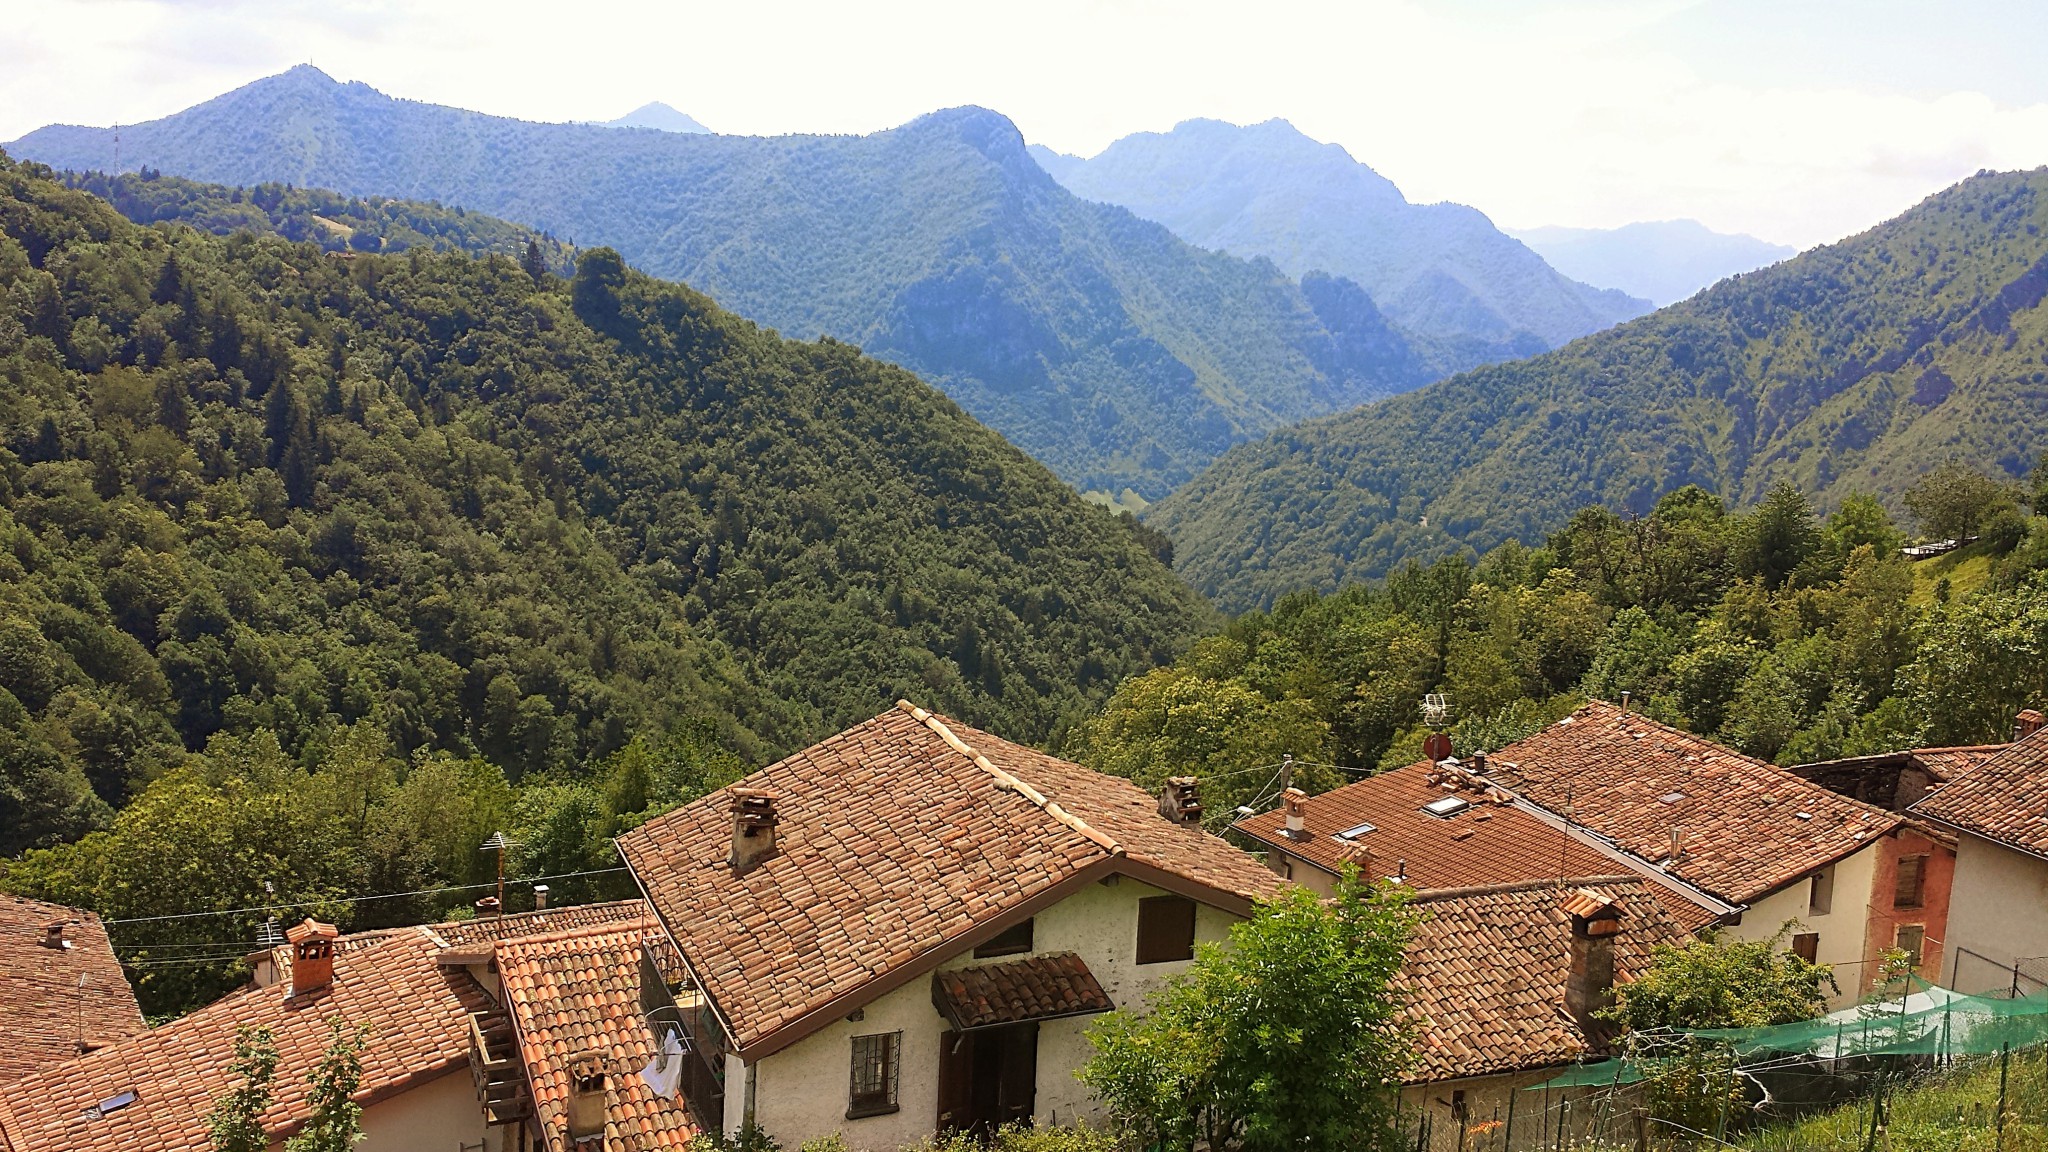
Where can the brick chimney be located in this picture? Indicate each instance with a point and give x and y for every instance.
(1295, 802)
(1354, 853)
(312, 945)
(488, 907)
(587, 1084)
(753, 828)
(2027, 723)
(53, 935)
(1181, 802)
(1589, 986)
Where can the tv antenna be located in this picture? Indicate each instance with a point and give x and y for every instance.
(1436, 709)
(498, 843)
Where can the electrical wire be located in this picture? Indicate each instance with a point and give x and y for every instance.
(359, 899)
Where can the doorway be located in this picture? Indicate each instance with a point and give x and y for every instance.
(987, 1078)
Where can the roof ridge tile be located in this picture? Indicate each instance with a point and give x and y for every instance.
(1009, 781)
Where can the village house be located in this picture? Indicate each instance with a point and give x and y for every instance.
(1503, 981)
(444, 1069)
(907, 927)
(1779, 849)
(62, 993)
(1998, 913)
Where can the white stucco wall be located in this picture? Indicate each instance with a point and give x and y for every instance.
(1841, 928)
(1998, 909)
(801, 1091)
(441, 1115)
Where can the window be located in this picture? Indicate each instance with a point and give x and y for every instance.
(1806, 946)
(1912, 940)
(1166, 929)
(1447, 807)
(1355, 831)
(1907, 889)
(875, 1061)
(1008, 942)
(1821, 897)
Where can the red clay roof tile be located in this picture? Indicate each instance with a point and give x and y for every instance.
(893, 845)
(55, 1002)
(2003, 798)
(1036, 988)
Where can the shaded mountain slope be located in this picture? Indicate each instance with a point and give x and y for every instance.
(1267, 190)
(1102, 345)
(248, 485)
(1853, 367)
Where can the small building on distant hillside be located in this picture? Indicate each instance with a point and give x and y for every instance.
(1998, 914)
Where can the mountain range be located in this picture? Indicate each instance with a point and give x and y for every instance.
(1852, 367)
(1269, 191)
(1663, 261)
(1121, 356)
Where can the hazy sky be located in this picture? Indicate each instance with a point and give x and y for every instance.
(1796, 120)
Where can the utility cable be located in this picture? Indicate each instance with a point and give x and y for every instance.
(359, 899)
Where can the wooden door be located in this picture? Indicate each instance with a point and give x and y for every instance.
(1017, 1098)
(956, 1082)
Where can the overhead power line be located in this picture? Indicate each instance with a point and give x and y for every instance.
(318, 901)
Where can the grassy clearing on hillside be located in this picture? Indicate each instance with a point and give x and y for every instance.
(1965, 569)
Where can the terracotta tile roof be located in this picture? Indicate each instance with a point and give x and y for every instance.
(390, 978)
(1488, 843)
(1949, 763)
(579, 991)
(53, 1000)
(2004, 798)
(1485, 972)
(1037, 988)
(1747, 827)
(894, 848)
(416, 1008)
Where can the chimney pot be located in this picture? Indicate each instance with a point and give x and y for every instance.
(1624, 701)
(2027, 723)
(753, 828)
(1295, 802)
(1589, 985)
(587, 1087)
(312, 945)
(540, 897)
(1181, 802)
(488, 907)
(53, 935)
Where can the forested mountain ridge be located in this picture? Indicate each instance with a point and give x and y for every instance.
(1853, 367)
(247, 487)
(334, 222)
(1268, 190)
(1118, 355)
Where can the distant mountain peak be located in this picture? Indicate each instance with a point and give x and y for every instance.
(660, 117)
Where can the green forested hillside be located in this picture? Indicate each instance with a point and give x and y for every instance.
(1115, 353)
(334, 222)
(247, 487)
(1854, 367)
(1793, 638)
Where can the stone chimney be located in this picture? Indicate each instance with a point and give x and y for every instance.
(2027, 723)
(312, 945)
(753, 828)
(1295, 802)
(1589, 986)
(1181, 802)
(587, 1085)
(540, 897)
(488, 907)
(53, 935)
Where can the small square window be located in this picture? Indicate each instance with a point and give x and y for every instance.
(876, 1060)
(1009, 942)
(1166, 929)
(1912, 940)
(1806, 946)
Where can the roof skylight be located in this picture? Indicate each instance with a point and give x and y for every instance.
(114, 1103)
(1447, 807)
(1357, 830)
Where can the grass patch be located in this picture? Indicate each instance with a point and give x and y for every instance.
(1950, 1111)
(1965, 569)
